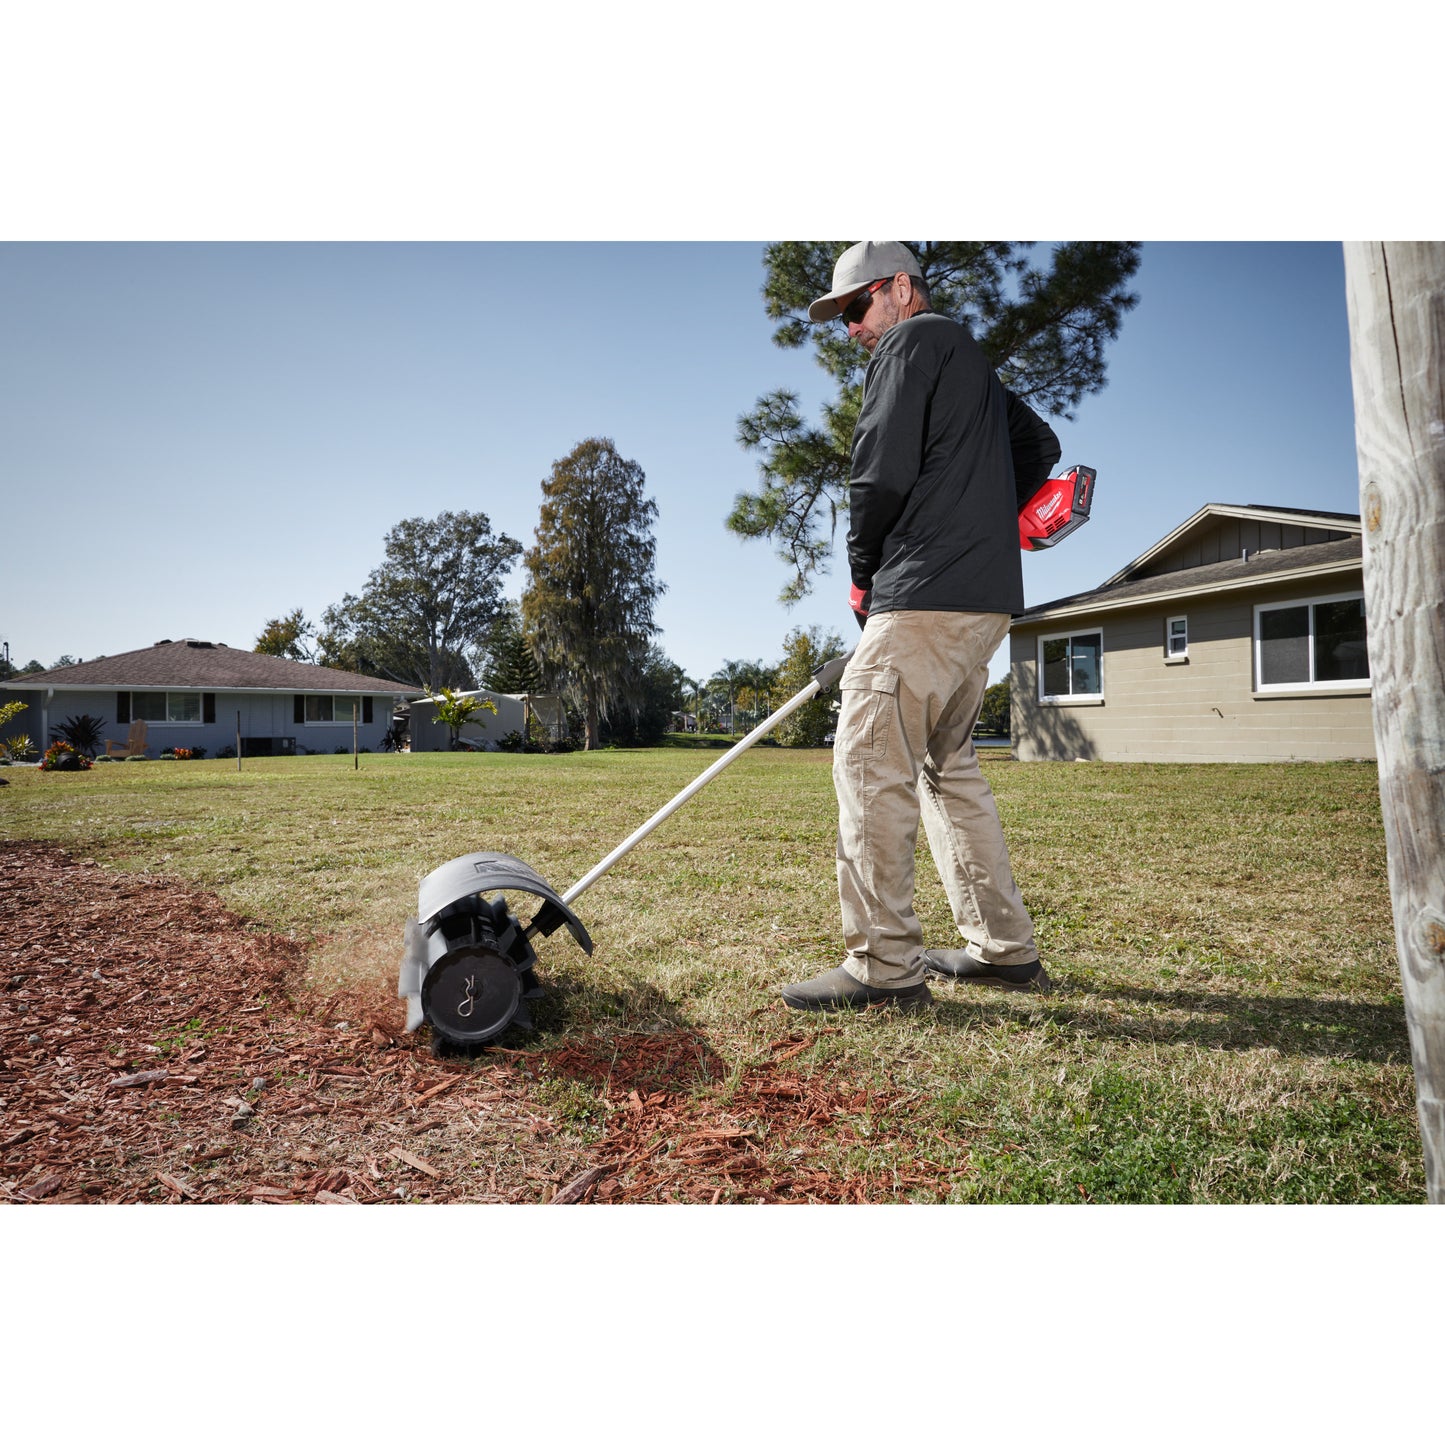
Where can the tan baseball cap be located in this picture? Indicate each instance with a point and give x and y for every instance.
(857, 266)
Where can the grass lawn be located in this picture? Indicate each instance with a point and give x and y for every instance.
(1227, 1024)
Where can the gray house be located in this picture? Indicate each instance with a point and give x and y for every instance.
(205, 694)
(1239, 637)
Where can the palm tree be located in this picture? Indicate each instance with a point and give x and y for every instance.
(760, 681)
(728, 678)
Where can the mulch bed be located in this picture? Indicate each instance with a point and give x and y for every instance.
(156, 1047)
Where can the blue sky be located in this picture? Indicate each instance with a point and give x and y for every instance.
(230, 429)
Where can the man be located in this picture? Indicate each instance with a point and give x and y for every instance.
(934, 554)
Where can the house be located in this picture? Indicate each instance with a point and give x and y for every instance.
(1239, 637)
(205, 694)
(517, 712)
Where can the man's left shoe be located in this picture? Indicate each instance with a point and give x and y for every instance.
(838, 989)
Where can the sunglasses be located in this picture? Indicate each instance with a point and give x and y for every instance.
(857, 308)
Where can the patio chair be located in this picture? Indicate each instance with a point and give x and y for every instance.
(134, 745)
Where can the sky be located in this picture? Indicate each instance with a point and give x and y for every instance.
(203, 436)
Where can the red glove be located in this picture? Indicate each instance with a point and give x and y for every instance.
(860, 601)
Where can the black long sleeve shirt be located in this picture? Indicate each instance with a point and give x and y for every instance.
(933, 501)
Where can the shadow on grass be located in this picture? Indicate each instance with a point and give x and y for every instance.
(569, 1006)
(1303, 1027)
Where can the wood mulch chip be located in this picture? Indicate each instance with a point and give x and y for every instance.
(157, 1048)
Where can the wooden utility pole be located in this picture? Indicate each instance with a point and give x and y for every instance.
(1395, 292)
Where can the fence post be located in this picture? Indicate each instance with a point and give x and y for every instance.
(1395, 295)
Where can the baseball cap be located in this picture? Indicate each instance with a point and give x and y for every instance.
(861, 263)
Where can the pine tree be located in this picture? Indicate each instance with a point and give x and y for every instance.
(588, 607)
(511, 666)
(1044, 329)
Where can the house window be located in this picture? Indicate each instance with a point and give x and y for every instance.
(1176, 637)
(324, 708)
(1071, 668)
(1319, 643)
(166, 707)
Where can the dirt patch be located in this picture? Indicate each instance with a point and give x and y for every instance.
(156, 1047)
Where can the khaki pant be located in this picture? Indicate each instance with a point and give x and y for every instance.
(904, 746)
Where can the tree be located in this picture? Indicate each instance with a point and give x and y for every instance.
(727, 680)
(652, 692)
(994, 716)
(803, 653)
(1044, 330)
(425, 607)
(455, 711)
(64, 660)
(589, 604)
(755, 686)
(289, 636)
(510, 664)
(1395, 299)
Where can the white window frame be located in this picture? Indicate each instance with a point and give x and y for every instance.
(354, 698)
(1340, 684)
(168, 721)
(1065, 698)
(1169, 654)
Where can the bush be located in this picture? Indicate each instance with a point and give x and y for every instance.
(63, 758)
(17, 747)
(137, 758)
(85, 733)
(104, 760)
(229, 751)
(197, 753)
(511, 742)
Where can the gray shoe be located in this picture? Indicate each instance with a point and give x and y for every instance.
(838, 989)
(960, 964)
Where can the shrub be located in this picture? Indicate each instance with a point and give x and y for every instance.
(229, 751)
(84, 733)
(104, 760)
(137, 758)
(197, 753)
(18, 747)
(510, 742)
(62, 758)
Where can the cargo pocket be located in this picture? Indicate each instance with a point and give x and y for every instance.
(866, 715)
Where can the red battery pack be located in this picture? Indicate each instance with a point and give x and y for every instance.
(1060, 506)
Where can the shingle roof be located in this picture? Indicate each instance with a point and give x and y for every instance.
(1212, 512)
(1215, 576)
(210, 665)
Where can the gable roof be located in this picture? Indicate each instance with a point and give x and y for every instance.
(1212, 513)
(210, 665)
(1317, 560)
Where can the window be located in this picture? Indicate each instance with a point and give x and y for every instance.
(1176, 637)
(166, 707)
(324, 708)
(1071, 668)
(1319, 643)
